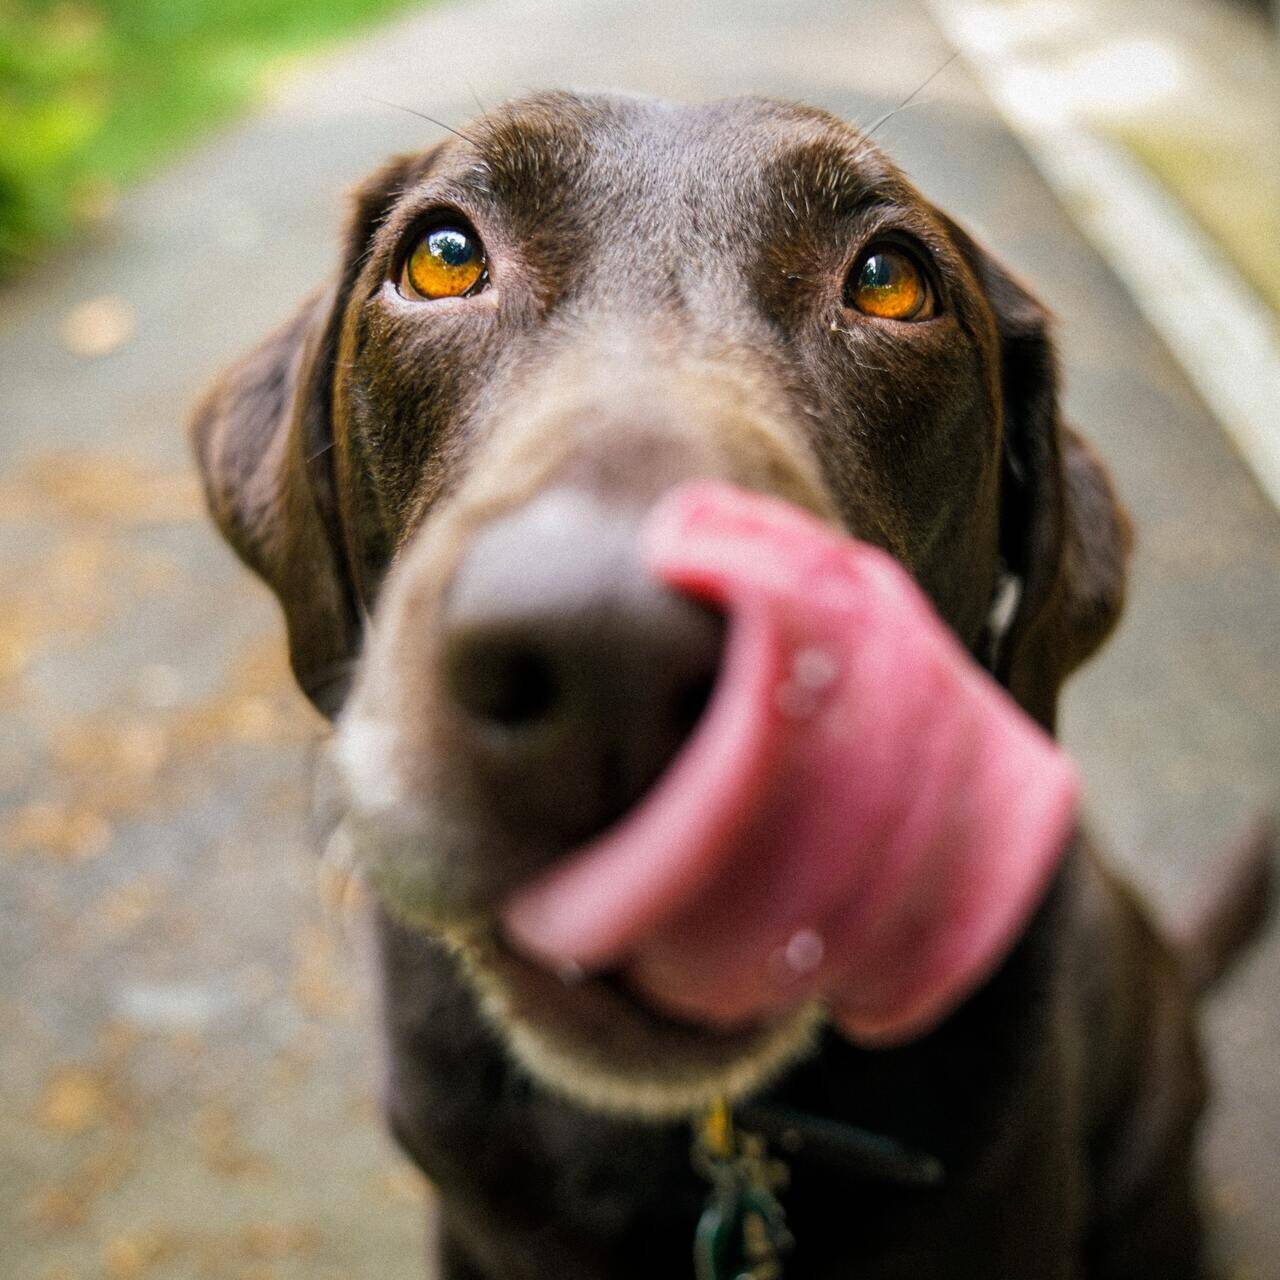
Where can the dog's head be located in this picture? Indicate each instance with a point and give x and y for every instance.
(540, 326)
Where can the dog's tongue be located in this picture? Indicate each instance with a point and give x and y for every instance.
(862, 813)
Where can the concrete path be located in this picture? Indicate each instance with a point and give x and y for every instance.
(189, 1077)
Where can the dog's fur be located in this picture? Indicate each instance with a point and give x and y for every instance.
(666, 303)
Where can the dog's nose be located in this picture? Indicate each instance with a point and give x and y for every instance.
(572, 676)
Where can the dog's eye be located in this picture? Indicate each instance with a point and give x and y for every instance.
(888, 284)
(447, 262)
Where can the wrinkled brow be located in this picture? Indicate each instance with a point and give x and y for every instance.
(522, 154)
(833, 177)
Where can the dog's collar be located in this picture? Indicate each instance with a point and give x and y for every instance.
(855, 1150)
(742, 1233)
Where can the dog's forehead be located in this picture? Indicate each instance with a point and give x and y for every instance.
(655, 149)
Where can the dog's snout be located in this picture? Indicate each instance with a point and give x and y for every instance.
(570, 675)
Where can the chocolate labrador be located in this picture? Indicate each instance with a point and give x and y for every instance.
(539, 327)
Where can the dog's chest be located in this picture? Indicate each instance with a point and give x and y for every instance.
(534, 1187)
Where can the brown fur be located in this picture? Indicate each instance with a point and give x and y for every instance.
(666, 303)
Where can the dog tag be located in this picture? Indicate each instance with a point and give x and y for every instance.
(742, 1233)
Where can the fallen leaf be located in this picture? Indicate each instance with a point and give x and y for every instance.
(67, 1205)
(127, 1256)
(58, 1208)
(105, 487)
(98, 327)
(272, 1241)
(112, 767)
(15, 647)
(67, 832)
(225, 1152)
(74, 1100)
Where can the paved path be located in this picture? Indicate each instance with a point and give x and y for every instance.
(188, 1076)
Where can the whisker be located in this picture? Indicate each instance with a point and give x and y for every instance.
(911, 97)
(890, 115)
(484, 111)
(422, 115)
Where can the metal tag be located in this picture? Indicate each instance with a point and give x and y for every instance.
(742, 1233)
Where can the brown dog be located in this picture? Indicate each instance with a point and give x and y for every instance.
(538, 328)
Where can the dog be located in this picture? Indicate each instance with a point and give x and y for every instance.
(539, 327)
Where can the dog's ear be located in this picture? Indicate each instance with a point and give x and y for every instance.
(263, 438)
(1064, 535)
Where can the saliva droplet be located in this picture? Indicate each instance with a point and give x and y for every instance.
(813, 672)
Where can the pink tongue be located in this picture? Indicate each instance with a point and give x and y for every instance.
(862, 813)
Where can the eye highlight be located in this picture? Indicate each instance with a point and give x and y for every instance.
(887, 283)
(446, 262)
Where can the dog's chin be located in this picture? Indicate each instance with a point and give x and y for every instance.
(588, 1039)
(593, 1042)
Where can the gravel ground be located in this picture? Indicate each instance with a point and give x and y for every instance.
(189, 1074)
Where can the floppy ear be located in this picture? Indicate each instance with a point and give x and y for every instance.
(263, 438)
(1064, 534)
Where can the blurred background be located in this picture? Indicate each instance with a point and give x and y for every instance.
(188, 1066)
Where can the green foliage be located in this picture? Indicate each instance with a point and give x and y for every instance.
(93, 93)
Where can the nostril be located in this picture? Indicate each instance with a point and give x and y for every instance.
(568, 678)
(691, 701)
(503, 681)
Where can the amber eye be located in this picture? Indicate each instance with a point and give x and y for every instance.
(888, 284)
(447, 262)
